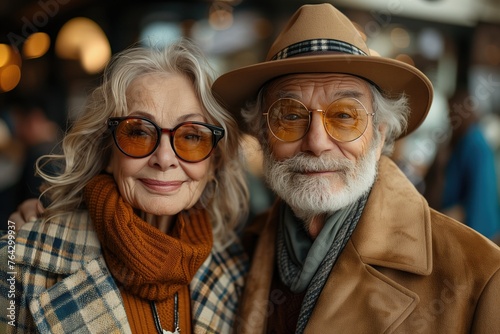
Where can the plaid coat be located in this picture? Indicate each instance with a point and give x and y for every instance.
(60, 283)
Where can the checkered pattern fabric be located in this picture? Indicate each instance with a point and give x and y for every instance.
(318, 45)
(216, 288)
(62, 283)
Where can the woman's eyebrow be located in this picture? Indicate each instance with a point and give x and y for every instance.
(143, 114)
(180, 119)
(187, 117)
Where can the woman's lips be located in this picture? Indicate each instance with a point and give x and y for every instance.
(162, 186)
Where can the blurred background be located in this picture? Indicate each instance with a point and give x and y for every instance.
(52, 53)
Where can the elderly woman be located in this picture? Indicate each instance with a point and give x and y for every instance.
(139, 235)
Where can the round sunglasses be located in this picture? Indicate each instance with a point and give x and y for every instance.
(345, 119)
(139, 137)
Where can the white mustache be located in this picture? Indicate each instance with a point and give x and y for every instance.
(304, 163)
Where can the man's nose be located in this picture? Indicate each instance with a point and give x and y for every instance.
(317, 140)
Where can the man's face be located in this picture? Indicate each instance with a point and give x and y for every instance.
(317, 173)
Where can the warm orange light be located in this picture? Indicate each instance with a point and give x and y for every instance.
(82, 39)
(5, 54)
(9, 77)
(95, 56)
(36, 45)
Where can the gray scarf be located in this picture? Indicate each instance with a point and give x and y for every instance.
(304, 263)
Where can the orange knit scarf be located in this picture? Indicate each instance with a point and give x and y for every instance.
(147, 262)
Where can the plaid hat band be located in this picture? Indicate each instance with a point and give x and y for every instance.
(318, 45)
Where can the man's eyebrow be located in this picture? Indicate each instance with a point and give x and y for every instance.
(282, 94)
(336, 95)
(347, 93)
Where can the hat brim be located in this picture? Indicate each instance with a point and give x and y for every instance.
(393, 77)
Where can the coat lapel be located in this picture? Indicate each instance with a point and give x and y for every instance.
(87, 300)
(84, 302)
(395, 230)
(254, 302)
(358, 296)
(359, 299)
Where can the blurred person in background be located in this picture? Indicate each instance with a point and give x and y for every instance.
(26, 133)
(462, 180)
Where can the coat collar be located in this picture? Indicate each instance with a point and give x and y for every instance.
(394, 230)
(61, 247)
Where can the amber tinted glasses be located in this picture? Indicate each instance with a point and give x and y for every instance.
(344, 120)
(138, 137)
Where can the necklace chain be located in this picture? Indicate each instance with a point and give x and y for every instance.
(156, 317)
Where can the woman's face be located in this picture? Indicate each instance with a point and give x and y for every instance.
(161, 184)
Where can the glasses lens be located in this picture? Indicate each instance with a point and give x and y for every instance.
(346, 119)
(136, 137)
(193, 142)
(288, 119)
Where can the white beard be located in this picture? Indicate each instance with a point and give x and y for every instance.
(312, 195)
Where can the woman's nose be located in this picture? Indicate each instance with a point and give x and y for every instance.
(164, 156)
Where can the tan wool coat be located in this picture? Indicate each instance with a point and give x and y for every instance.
(406, 269)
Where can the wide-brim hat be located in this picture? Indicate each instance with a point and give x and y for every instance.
(320, 39)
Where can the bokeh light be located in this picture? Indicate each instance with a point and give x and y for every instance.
(10, 68)
(82, 39)
(400, 38)
(10, 76)
(5, 54)
(36, 45)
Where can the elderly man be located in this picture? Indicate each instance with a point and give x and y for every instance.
(350, 246)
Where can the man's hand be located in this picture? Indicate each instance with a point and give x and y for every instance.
(27, 211)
